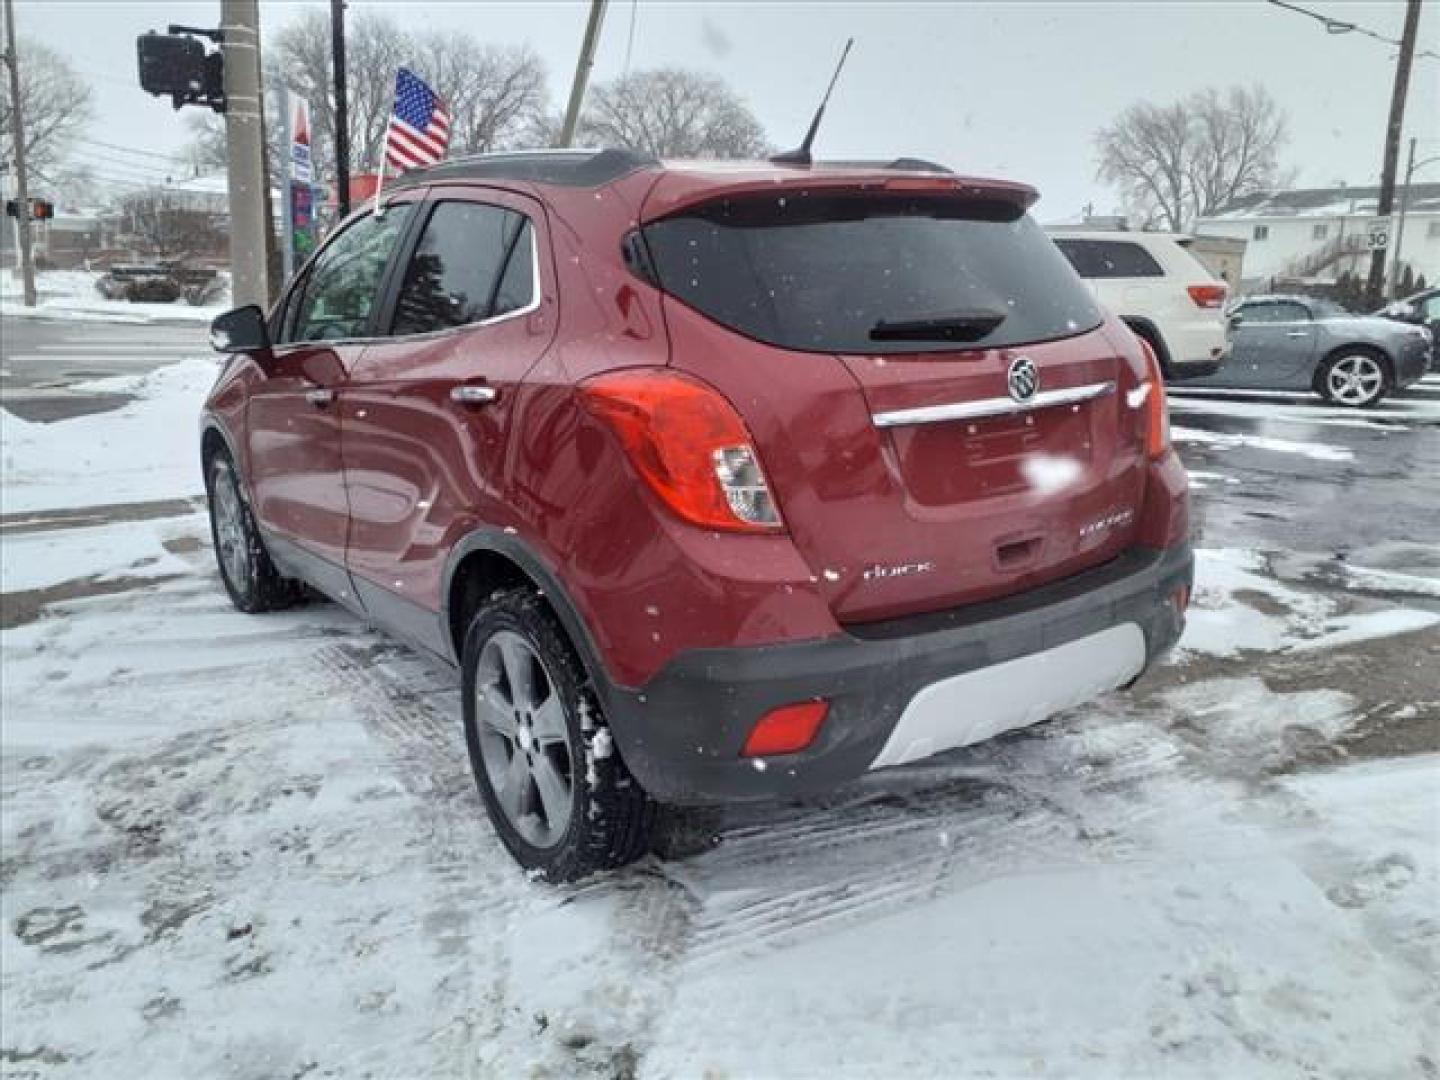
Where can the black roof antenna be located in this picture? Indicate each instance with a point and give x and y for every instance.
(801, 155)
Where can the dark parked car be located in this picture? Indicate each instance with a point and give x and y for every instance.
(1303, 343)
(1421, 309)
(160, 283)
(715, 481)
(140, 283)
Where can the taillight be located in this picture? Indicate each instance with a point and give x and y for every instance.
(689, 444)
(1157, 410)
(1208, 296)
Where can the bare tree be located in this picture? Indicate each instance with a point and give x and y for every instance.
(57, 105)
(208, 152)
(670, 112)
(493, 92)
(1174, 163)
(166, 225)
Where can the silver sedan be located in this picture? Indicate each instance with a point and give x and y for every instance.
(1303, 343)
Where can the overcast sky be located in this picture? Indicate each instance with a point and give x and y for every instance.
(1011, 89)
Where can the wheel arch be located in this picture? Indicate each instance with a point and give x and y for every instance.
(489, 559)
(214, 438)
(1147, 329)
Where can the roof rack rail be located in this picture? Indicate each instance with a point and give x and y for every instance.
(568, 168)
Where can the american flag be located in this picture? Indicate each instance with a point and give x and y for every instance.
(419, 128)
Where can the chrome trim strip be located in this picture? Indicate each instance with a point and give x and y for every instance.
(976, 410)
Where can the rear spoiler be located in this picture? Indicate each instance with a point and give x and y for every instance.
(674, 191)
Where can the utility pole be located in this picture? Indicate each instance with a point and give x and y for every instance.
(342, 107)
(1410, 166)
(1400, 224)
(582, 72)
(1374, 285)
(22, 189)
(245, 139)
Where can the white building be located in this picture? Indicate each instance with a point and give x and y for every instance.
(1321, 233)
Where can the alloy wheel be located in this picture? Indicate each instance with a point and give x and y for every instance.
(1355, 380)
(230, 531)
(523, 740)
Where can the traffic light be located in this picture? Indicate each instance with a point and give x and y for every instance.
(40, 209)
(178, 65)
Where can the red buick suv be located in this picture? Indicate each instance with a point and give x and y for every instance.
(716, 481)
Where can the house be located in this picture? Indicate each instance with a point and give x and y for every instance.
(1318, 234)
(65, 242)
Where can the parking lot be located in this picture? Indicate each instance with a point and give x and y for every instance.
(1230, 870)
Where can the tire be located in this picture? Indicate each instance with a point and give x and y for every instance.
(558, 795)
(250, 577)
(1353, 378)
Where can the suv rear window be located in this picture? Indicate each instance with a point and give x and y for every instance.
(1109, 259)
(820, 272)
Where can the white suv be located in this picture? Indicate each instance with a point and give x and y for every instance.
(1162, 292)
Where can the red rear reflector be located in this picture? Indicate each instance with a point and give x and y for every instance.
(1208, 296)
(786, 729)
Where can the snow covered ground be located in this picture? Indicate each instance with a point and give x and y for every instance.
(143, 451)
(70, 295)
(250, 846)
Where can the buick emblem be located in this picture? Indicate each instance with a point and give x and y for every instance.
(1023, 379)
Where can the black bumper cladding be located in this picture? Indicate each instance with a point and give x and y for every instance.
(932, 681)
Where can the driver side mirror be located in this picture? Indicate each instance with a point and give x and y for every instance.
(1236, 319)
(240, 330)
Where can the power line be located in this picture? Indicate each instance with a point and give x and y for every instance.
(130, 150)
(89, 157)
(1340, 26)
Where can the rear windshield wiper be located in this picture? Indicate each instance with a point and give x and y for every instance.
(960, 326)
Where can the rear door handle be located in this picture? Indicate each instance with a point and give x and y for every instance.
(471, 394)
(1297, 333)
(320, 398)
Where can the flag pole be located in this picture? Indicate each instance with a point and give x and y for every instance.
(380, 182)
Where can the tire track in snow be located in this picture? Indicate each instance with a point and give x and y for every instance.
(477, 894)
(1066, 796)
(481, 899)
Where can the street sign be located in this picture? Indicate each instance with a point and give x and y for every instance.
(300, 162)
(299, 194)
(1377, 233)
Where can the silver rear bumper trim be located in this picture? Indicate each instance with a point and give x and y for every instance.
(980, 704)
(976, 410)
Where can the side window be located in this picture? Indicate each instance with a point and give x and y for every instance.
(1110, 259)
(517, 284)
(473, 262)
(339, 294)
(1275, 311)
(1431, 308)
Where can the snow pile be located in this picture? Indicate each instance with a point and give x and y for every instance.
(1238, 606)
(1225, 440)
(40, 559)
(149, 449)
